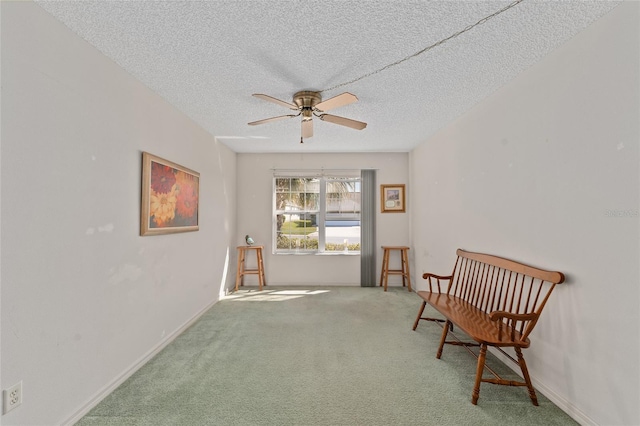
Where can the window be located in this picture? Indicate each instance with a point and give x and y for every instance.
(316, 214)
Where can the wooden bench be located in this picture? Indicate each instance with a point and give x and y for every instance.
(496, 302)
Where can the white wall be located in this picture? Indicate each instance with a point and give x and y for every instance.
(255, 203)
(84, 297)
(533, 173)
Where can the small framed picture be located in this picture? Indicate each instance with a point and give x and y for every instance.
(392, 198)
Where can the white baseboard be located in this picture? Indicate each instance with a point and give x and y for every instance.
(102, 393)
(252, 286)
(562, 403)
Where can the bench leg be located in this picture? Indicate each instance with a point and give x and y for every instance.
(527, 379)
(420, 317)
(480, 369)
(445, 331)
(415, 324)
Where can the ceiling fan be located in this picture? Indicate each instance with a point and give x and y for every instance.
(309, 104)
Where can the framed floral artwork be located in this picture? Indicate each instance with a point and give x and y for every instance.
(170, 197)
(392, 198)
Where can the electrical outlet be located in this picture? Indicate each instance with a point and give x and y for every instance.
(12, 397)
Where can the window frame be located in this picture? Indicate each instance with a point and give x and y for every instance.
(321, 213)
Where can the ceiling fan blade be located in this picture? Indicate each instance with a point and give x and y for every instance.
(307, 128)
(354, 124)
(276, 101)
(345, 98)
(269, 120)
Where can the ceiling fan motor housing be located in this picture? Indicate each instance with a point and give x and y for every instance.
(307, 99)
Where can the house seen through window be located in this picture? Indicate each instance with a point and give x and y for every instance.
(318, 214)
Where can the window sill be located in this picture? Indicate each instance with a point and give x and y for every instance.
(326, 253)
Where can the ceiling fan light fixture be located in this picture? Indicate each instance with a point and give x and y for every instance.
(307, 114)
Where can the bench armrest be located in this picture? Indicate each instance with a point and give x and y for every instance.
(428, 276)
(499, 315)
(527, 321)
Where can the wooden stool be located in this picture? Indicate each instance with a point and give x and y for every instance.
(404, 257)
(241, 272)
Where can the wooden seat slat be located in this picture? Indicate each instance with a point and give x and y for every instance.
(474, 322)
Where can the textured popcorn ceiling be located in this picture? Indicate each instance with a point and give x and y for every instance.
(208, 57)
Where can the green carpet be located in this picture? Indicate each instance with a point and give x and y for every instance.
(321, 356)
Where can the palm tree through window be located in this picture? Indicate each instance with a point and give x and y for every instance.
(317, 214)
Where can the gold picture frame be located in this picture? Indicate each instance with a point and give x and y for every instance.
(170, 197)
(392, 198)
